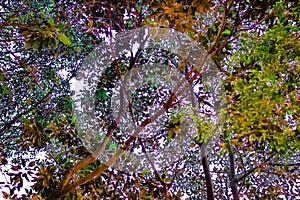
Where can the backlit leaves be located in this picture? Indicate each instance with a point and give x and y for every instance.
(180, 15)
(46, 35)
(263, 91)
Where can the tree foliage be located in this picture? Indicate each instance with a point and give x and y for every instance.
(255, 45)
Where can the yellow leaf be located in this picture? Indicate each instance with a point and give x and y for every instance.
(235, 141)
(223, 145)
(257, 170)
(26, 33)
(35, 197)
(91, 23)
(177, 6)
(142, 193)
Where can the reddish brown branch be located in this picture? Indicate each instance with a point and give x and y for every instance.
(100, 169)
(153, 166)
(232, 175)
(210, 50)
(208, 180)
(284, 164)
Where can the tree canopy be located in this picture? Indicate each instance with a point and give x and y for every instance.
(252, 154)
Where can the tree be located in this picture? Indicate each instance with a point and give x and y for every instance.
(255, 45)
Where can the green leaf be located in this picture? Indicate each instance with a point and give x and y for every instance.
(226, 32)
(73, 119)
(214, 28)
(50, 21)
(146, 171)
(4, 89)
(64, 39)
(68, 162)
(1, 77)
(103, 94)
(203, 40)
(25, 120)
(58, 156)
(60, 26)
(97, 134)
(112, 146)
(272, 77)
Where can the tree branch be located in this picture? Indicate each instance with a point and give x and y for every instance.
(153, 166)
(284, 164)
(232, 176)
(245, 174)
(208, 180)
(62, 190)
(210, 50)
